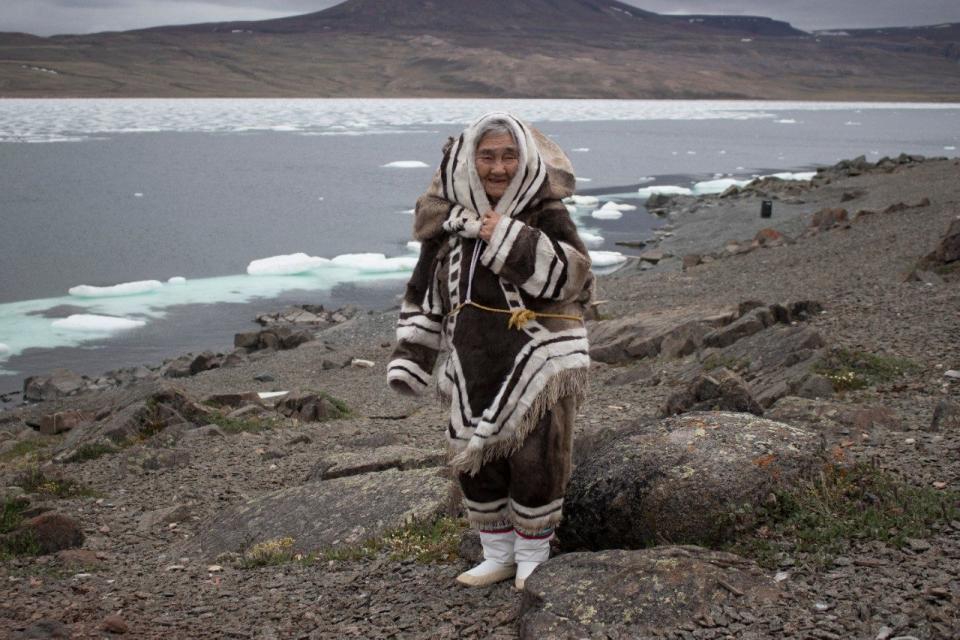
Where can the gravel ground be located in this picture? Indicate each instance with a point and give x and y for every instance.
(874, 591)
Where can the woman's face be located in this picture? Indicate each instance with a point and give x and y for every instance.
(497, 161)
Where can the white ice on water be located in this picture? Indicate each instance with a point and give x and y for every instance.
(406, 164)
(618, 206)
(4, 348)
(177, 280)
(285, 265)
(373, 262)
(90, 323)
(123, 289)
(413, 245)
(582, 201)
(786, 121)
(584, 179)
(793, 175)
(603, 259)
(591, 239)
(606, 214)
(717, 186)
(666, 189)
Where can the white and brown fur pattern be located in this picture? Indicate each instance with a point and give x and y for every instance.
(499, 382)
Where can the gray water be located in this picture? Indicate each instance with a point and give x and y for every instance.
(212, 201)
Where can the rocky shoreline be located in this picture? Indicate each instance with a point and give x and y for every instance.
(749, 373)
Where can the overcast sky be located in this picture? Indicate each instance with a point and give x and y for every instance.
(46, 17)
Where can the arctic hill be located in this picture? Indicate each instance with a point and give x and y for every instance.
(498, 48)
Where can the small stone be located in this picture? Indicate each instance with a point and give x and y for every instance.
(263, 377)
(362, 364)
(884, 633)
(781, 576)
(175, 567)
(952, 373)
(918, 545)
(939, 485)
(115, 624)
(821, 606)
(214, 568)
(910, 441)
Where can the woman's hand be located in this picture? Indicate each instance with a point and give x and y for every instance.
(488, 222)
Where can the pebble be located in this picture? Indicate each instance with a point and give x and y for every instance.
(115, 624)
(884, 633)
(362, 364)
(952, 373)
(264, 377)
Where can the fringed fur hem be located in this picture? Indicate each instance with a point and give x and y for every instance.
(498, 523)
(545, 532)
(572, 382)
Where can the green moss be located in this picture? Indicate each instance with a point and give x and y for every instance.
(12, 542)
(238, 425)
(821, 518)
(35, 481)
(90, 451)
(848, 369)
(343, 410)
(426, 542)
(268, 553)
(22, 449)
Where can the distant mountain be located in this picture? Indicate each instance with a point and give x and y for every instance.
(496, 48)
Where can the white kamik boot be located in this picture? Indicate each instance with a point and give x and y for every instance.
(498, 563)
(530, 553)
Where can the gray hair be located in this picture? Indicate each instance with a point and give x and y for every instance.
(497, 126)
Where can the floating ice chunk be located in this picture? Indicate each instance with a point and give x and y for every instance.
(285, 265)
(788, 175)
(4, 349)
(591, 239)
(408, 212)
(138, 195)
(177, 280)
(584, 179)
(691, 153)
(602, 259)
(374, 262)
(950, 148)
(786, 121)
(96, 324)
(406, 164)
(722, 152)
(717, 186)
(571, 208)
(582, 201)
(617, 206)
(646, 179)
(581, 149)
(413, 245)
(123, 289)
(607, 214)
(851, 123)
(666, 189)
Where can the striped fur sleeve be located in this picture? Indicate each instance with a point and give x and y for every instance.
(553, 266)
(419, 328)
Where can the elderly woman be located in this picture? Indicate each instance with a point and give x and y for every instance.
(501, 285)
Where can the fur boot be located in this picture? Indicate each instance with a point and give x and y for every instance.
(498, 560)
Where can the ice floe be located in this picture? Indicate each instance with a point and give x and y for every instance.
(950, 148)
(603, 259)
(571, 208)
(666, 189)
(786, 121)
(618, 206)
(582, 201)
(374, 262)
(123, 289)
(581, 149)
(607, 214)
(285, 265)
(4, 348)
(584, 179)
(717, 186)
(405, 164)
(90, 323)
(413, 245)
(591, 239)
(791, 175)
(177, 280)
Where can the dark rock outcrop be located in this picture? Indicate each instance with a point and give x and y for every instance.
(720, 390)
(691, 479)
(60, 383)
(323, 515)
(635, 594)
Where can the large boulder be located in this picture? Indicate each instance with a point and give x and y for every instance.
(143, 418)
(642, 335)
(323, 515)
(51, 532)
(721, 390)
(691, 479)
(60, 383)
(774, 362)
(948, 251)
(636, 594)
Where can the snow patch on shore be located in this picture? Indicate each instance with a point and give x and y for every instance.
(603, 259)
(666, 189)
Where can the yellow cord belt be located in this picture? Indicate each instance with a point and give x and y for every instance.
(518, 317)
